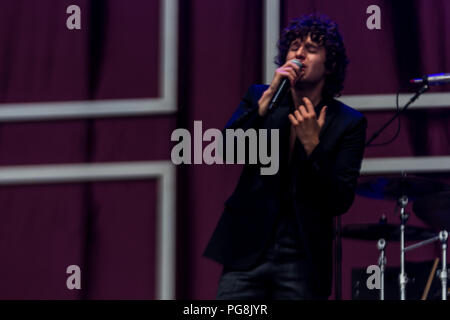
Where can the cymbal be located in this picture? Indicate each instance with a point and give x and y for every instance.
(389, 232)
(434, 209)
(393, 188)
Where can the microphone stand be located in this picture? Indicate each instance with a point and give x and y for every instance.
(422, 89)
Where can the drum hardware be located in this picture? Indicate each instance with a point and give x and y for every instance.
(389, 232)
(443, 236)
(403, 278)
(431, 203)
(381, 245)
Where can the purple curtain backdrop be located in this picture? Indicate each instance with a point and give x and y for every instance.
(108, 228)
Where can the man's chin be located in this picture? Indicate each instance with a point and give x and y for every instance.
(305, 83)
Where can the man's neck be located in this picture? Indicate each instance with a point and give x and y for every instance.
(314, 94)
(298, 95)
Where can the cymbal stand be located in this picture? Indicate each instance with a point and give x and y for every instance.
(443, 275)
(403, 278)
(381, 245)
(443, 236)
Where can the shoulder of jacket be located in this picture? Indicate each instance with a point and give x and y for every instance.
(347, 111)
(256, 90)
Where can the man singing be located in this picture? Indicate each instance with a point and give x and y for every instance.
(275, 235)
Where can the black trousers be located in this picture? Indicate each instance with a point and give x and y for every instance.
(284, 274)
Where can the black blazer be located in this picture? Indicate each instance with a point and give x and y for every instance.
(322, 187)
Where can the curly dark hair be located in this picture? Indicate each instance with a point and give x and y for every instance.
(325, 33)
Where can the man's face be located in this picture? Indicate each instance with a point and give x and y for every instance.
(313, 59)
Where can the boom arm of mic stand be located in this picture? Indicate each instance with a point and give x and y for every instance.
(422, 89)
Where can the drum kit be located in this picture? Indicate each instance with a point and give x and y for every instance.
(431, 204)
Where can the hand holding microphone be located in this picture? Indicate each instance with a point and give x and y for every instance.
(284, 78)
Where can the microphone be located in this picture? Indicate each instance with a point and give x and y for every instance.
(282, 89)
(433, 79)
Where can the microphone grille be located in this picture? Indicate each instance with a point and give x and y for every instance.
(297, 62)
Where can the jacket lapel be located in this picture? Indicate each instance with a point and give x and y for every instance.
(331, 114)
